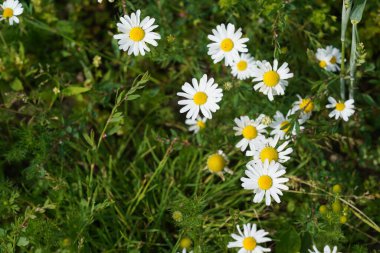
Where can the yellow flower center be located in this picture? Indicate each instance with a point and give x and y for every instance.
(271, 78)
(200, 98)
(322, 64)
(216, 163)
(333, 60)
(201, 124)
(265, 182)
(137, 34)
(249, 243)
(242, 65)
(227, 45)
(269, 153)
(185, 243)
(249, 132)
(306, 105)
(285, 126)
(8, 13)
(340, 106)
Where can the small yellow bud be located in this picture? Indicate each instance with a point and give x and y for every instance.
(177, 216)
(343, 219)
(323, 209)
(185, 243)
(337, 188)
(336, 206)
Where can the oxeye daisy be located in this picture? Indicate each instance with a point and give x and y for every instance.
(268, 149)
(265, 180)
(243, 67)
(217, 163)
(326, 249)
(226, 44)
(202, 97)
(281, 125)
(329, 58)
(305, 105)
(341, 109)
(196, 125)
(10, 10)
(251, 130)
(135, 35)
(271, 81)
(249, 239)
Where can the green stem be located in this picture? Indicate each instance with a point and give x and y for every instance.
(342, 84)
(346, 10)
(353, 61)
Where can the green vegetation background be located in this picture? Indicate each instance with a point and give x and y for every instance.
(66, 188)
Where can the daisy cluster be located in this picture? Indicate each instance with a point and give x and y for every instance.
(265, 139)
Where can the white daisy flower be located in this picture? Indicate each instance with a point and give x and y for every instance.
(196, 125)
(305, 105)
(135, 35)
(265, 180)
(342, 109)
(272, 81)
(326, 249)
(10, 10)
(329, 58)
(281, 125)
(111, 1)
(202, 97)
(218, 163)
(249, 239)
(243, 67)
(251, 130)
(226, 44)
(268, 149)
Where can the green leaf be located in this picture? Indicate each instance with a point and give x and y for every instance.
(132, 97)
(22, 242)
(74, 90)
(16, 85)
(357, 12)
(289, 241)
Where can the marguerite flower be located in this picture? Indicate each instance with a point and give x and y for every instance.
(202, 97)
(243, 67)
(272, 81)
(249, 239)
(135, 35)
(217, 163)
(342, 109)
(326, 249)
(268, 149)
(252, 131)
(305, 105)
(197, 124)
(281, 125)
(226, 44)
(265, 180)
(11, 9)
(329, 58)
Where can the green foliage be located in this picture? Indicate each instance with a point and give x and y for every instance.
(95, 156)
